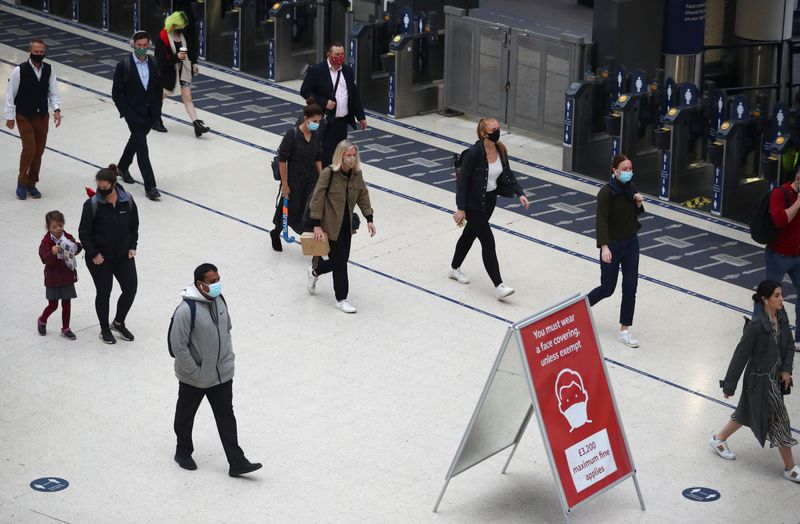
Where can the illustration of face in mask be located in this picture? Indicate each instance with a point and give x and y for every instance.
(572, 398)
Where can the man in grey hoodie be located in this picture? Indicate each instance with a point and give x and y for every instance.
(200, 340)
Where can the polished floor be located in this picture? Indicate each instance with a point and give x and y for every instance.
(355, 417)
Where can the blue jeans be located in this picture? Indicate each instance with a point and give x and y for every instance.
(624, 253)
(777, 266)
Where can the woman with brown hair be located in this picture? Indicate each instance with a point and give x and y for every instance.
(485, 174)
(619, 205)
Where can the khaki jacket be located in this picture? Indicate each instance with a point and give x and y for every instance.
(327, 212)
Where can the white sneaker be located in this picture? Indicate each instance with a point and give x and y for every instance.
(797, 346)
(346, 306)
(311, 283)
(792, 474)
(626, 338)
(503, 291)
(457, 274)
(722, 449)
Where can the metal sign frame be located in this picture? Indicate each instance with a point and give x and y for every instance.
(513, 333)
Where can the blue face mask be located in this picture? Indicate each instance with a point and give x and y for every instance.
(214, 289)
(313, 126)
(625, 176)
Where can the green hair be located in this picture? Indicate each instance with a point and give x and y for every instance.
(178, 18)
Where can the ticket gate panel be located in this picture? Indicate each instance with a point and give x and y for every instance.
(121, 16)
(93, 13)
(220, 22)
(684, 173)
(635, 142)
(367, 43)
(292, 39)
(151, 16)
(586, 144)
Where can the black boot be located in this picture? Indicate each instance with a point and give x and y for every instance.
(200, 128)
(159, 126)
(275, 235)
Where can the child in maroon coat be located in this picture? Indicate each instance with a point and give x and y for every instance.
(57, 251)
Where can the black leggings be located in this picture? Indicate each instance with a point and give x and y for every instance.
(337, 262)
(478, 227)
(124, 270)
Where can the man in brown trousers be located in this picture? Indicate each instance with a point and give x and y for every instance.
(31, 88)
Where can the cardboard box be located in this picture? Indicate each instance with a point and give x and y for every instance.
(312, 247)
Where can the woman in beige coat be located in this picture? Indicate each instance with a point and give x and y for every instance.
(339, 188)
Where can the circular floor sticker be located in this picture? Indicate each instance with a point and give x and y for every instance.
(49, 484)
(701, 494)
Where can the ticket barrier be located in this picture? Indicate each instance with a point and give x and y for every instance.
(681, 140)
(93, 13)
(291, 35)
(220, 20)
(780, 147)
(586, 144)
(152, 15)
(415, 69)
(62, 8)
(122, 15)
(735, 154)
(367, 43)
(631, 123)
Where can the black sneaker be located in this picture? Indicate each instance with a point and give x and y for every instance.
(153, 194)
(107, 337)
(243, 468)
(275, 236)
(120, 328)
(126, 176)
(186, 462)
(68, 334)
(41, 326)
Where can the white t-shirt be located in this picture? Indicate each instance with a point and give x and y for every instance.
(495, 169)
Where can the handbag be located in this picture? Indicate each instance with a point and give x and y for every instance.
(276, 171)
(506, 182)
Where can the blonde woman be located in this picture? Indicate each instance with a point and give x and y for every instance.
(339, 188)
(177, 67)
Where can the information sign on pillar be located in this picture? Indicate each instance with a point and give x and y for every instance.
(271, 60)
(666, 166)
(716, 191)
(74, 10)
(46, 6)
(236, 47)
(104, 16)
(352, 56)
(136, 15)
(551, 365)
(717, 113)
(201, 39)
(392, 95)
(569, 109)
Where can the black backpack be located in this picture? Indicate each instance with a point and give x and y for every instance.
(192, 313)
(762, 229)
(458, 159)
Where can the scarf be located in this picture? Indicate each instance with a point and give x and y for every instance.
(619, 188)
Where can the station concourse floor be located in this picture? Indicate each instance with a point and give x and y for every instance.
(356, 418)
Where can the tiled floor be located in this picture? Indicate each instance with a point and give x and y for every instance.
(356, 418)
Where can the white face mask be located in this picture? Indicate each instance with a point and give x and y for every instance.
(576, 415)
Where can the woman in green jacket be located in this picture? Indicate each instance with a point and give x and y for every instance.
(339, 188)
(765, 354)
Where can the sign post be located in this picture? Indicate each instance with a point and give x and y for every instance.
(557, 372)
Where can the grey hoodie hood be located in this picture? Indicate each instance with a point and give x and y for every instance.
(191, 292)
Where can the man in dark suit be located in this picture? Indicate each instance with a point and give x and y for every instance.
(137, 94)
(332, 84)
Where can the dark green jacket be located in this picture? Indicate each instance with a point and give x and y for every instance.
(617, 216)
(756, 354)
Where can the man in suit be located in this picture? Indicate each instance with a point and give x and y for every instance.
(332, 84)
(137, 94)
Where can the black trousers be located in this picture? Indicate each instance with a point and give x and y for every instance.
(337, 260)
(220, 398)
(624, 253)
(124, 270)
(478, 227)
(137, 145)
(335, 132)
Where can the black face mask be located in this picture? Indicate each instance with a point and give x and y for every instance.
(37, 59)
(105, 192)
(494, 136)
(178, 31)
